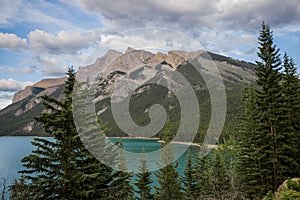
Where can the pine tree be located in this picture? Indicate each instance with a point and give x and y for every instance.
(228, 151)
(218, 177)
(19, 190)
(169, 186)
(268, 137)
(61, 168)
(188, 179)
(144, 181)
(269, 97)
(121, 187)
(202, 188)
(251, 154)
(290, 109)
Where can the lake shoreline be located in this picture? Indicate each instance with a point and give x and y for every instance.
(133, 137)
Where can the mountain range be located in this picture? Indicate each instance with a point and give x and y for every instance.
(137, 67)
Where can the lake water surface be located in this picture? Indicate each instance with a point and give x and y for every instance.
(13, 149)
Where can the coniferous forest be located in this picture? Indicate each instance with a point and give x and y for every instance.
(251, 163)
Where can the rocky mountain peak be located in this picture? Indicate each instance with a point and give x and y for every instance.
(90, 72)
(129, 49)
(131, 59)
(173, 59)
(43, 85)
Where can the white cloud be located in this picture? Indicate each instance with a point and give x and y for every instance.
(48, 61)
(152, 39)
(13, 85)
(4, 103)
(8, 11)
(213, 14)
(11, 70)
(65, 42)
(44, 14)
(55, 71)
(5, 99)
(30, 69)
(221, 26)
(11, 41)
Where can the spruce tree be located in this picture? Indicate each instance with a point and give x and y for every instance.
(268, 136)
(169, 186)
(189, 179)
(249, 165)
(19, 189)
(218, 175)
(290, 109)
(121, 187)
(61, 167)
(269, 97)
(144, 181)
(202, 188)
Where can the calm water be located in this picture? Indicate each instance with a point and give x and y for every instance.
(13, 149)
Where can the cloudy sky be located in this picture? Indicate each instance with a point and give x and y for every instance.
(40, 39)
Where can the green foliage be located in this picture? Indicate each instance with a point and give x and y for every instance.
(169, 186)
(269, 97)
(215, 174)
(289, 195)
(19, 190)
(294, 185)
(221, 171)
(62, 168)
(269, 136)
(144, 181)
(121, 187)
(189, 179)
(201, 174)
(250, 147)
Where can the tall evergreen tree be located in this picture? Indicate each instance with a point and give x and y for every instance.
(290, 121)
(19, 190)
(251, 154)
(61, 168)
(202, 188)
(268, 137)
(121, 187)
(269, 97)
(218, 179)
(189, 179)
(169, 186)
(144, 181)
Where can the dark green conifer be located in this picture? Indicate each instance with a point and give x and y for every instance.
(169, 186)
(289, 118)
(121, 187)
(189, 179)
(249, 165)
(61, 168)
(144, 181)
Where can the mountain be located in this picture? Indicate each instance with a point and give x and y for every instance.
(43, 87)
(116, 74)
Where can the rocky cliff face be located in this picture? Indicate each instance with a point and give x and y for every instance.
(46, 86)
(90, 72)
(110, 70)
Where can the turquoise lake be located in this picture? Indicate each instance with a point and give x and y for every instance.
(13, 149)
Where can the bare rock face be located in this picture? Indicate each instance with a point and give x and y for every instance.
(37, 88)
(173, 59)
(34, 101)
(46, 83)
(90, 72)
(158, 58)
(130, 60)
(29, 90)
